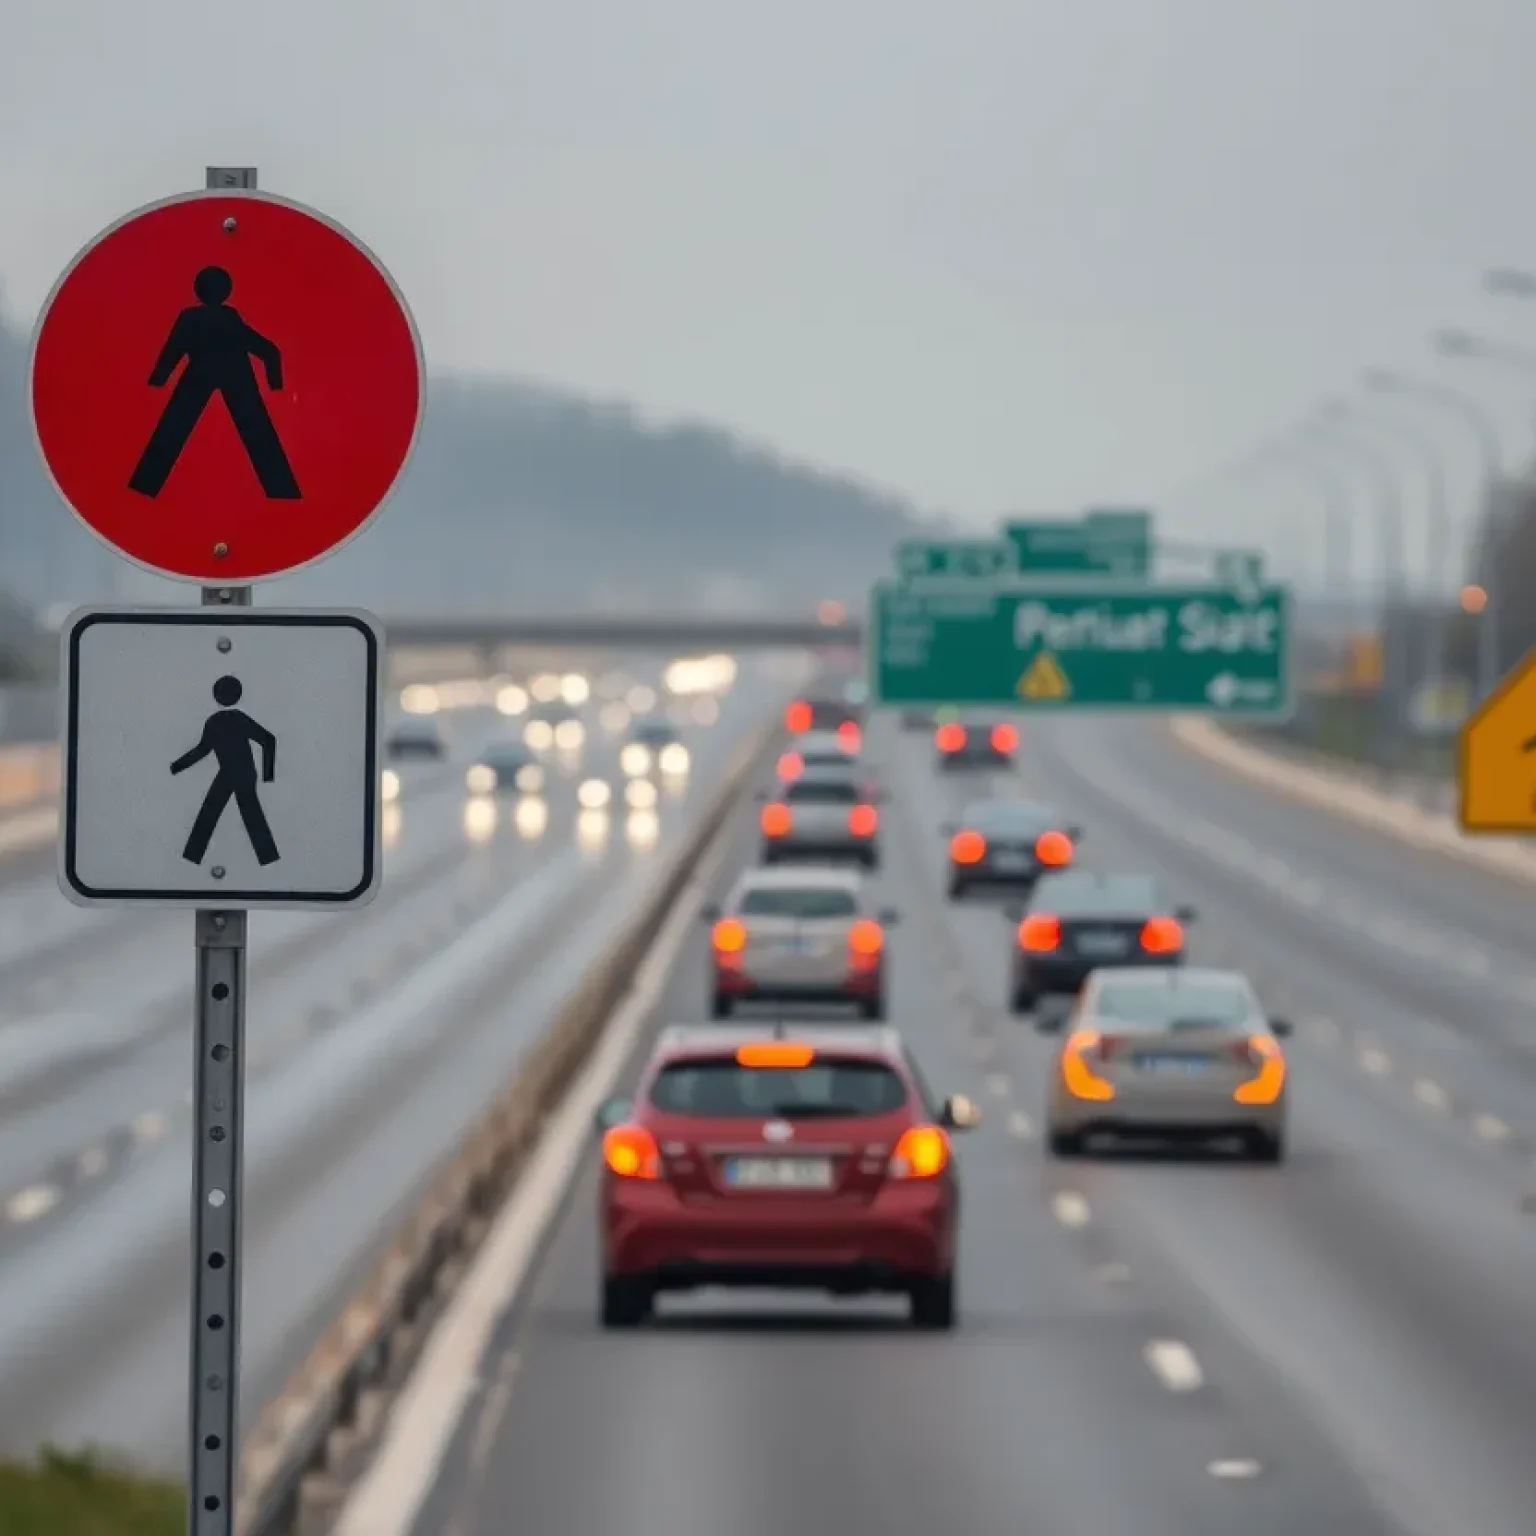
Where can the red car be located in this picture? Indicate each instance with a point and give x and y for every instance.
(752, 1159)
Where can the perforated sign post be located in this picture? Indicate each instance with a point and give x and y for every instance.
(224, 387)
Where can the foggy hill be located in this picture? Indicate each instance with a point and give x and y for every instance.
(522, 494)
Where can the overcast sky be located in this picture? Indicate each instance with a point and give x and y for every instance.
(1027, 254)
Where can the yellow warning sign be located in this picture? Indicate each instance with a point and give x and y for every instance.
(1044, 679)
(1496, 757)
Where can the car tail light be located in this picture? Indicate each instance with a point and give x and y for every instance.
(630, 1151)
(1004, 738)
(863, 821)
(849, 737)
(1040, 934)
(797, 718)
(791, 765)
(1080, 1080)
(775, 1053)
(1162, 936)
(776, 820)
(729, 936)
(1054, 849)
(921, 1153)
(967, 847)
(866, 937)
(1264, 1087)
(950, 737)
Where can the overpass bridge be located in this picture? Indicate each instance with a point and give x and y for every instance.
(575, 631)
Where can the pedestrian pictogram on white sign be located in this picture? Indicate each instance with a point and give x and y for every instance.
(221, 757)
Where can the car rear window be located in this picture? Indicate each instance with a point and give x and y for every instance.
(724, 1089)
(1157, 1006)
(836, 792)
(805, 902)
(1010, 816)
(1086, 896)
(827, 716)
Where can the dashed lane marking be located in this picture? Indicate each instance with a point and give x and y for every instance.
(1325, 1030)
(998, 1084)
(1070, 1208)
(1490, 1128)
(28, 1204)
(150, 1127)
(1019, 1125)
(1430, 1093)
(1377, 1063)
(1174, 1365)
(91, 1162)
(1235, 1468)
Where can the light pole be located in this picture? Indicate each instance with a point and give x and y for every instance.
(1491, 469)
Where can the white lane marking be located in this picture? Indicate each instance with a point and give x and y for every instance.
(388, 1498)
(150, 1127)
(984, 1048)
(1326, 1030)
(91, 1162)
(1174, 1365)
(1070, 1208)
(1377, 1063)
(1430, 1093)
(1490, 1128)
(29, 1204)
(998, 1084)
(1019, 1125)
(1235, 1468)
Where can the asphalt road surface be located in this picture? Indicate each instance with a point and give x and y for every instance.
(1344, 1344)
(374, 1039)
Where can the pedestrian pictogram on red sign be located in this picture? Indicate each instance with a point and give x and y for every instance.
(226, 386)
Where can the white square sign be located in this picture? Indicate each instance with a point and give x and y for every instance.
(221, 757)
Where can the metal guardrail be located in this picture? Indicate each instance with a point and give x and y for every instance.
(313, 1441)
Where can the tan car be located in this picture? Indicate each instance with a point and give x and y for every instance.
(798, 935)
(823, 815)
(1182, 1054)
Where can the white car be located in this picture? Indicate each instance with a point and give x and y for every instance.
(824, 814)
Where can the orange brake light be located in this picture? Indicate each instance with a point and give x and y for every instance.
(1162, 936)
(791, 765)
(863, 821)
(1265, 1087)
(967, 847)
(631, 1152)
(774, 1053)
(797, 718)
(949, 737)
(729, 936)
(921, 1153)
(866, 937)
(1004, 738)
(1039, 933)
(1054, 848)
(1079, 1079)
(776, 820)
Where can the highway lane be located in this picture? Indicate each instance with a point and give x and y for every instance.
(1089, 1388)
(372, 1046)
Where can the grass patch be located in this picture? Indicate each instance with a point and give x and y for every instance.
(85, 1496)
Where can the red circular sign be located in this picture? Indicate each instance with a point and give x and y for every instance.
(226, 386)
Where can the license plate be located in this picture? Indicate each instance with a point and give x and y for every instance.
(1188, 1065)
(1102, 944)
(778, 1172)
(1013, 862)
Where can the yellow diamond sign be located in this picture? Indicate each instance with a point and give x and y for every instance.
(1496, 757)
(1044, 679)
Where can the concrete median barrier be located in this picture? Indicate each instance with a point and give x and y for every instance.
(316, 1436)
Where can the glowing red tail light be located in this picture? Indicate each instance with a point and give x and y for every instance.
(949, 737)
(1004, 738)
(863, 821)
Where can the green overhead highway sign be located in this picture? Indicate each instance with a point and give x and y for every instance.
(1097, 544)
(1057, 646)
(978, 558)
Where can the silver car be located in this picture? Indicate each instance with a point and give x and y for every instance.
(825, 813)
(1184, 1054)
(804, 935)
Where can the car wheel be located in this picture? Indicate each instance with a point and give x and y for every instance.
(1264, 1148)
(1021, 1001)
(720, 1006)
(768, 857)
(626, 1302)
(873, 1007)
(1064, 1143)
(933, 1302)
(871, 861)
(956, 889)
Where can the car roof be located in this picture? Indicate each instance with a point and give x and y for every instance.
(878, 1042)
(1001, 805)
(1051, 885)
(800, 877)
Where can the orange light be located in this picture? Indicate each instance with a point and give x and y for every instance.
(775, 1053)
(863, 821)
(949, 737)
(797, 718)
(921, 1153)
(1162, 936)
(1040, 934)
(791, 766)
(776, 820)
(1264, 1088)
(631, 1152)
(729, 937)
(1004, 738)
(1473, 598)
(967, 847)
(1054, 848)
(849, 736)
(1079, 1079)
(866, 937)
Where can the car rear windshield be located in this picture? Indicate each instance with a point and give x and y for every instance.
(1157, 1005)
(811, 792)
(806, 902)
(1108, 896)
(727, 1090)
(828, 716)
(1009, 816)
